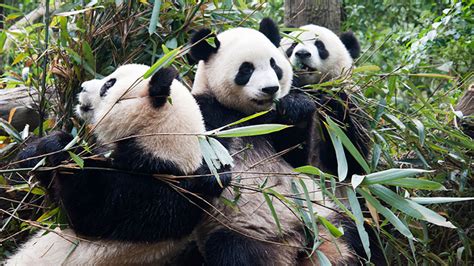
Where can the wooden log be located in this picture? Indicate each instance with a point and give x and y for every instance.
(21, 102)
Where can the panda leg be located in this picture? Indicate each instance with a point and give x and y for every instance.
(228, 248)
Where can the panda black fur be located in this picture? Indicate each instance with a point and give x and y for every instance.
(242, 73)
(129, 216)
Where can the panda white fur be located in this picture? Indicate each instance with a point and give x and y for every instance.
(88, 100)
(243, 73)
(127, 217)
(320, 55)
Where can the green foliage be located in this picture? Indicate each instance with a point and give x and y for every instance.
(417, 61)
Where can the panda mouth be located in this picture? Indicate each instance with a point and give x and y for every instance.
(262, 102)
(305, 68)
(86, 108)
(302, 67)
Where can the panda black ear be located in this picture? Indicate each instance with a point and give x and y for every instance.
(351, 43)
(201, 49)
(270, 29)
(160, 85)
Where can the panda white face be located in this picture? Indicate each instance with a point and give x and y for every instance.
(320, 54)
(246, 72)
(131, 106)
(88, 100)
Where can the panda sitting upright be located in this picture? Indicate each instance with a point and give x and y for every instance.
(318, 56)
(127, 215)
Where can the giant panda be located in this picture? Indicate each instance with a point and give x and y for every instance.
(318, 55)
(240, 72)
(128, 216)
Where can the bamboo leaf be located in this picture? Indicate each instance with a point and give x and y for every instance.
(421, 130)
(391, 217)
(308, 169)
(331, 228)
(11, 131)
(395, 121)
(430, 215)
(162, 62)
(438, 200)
(409, 207)
(368, 68)
(221, 152)
(309, 205)
(340, 155)
(19, 58)
(394, 200)
(247, 118)
(431, 75)
(415, 183)
(3, 38)
(71, 143)
(356, 180)
(248, 131)
(272, 210)
(359, 219)
(88, 54)
(323, 260)
(78, 160)
(45, 216)
(391, 174)
(26, 188)
(209, 158)
(154, 17)
(348, 144)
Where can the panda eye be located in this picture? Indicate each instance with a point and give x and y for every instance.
(272, 62)
(107, 86)
(323, 53)
(246, 68)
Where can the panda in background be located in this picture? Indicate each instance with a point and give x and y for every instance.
(127, 216)
(320, 55)
(244, 72)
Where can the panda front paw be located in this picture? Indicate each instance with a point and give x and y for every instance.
(56, 141)
(296, 107)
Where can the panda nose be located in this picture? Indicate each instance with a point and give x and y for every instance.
(303, 54)
(270, 90)
(83, 88)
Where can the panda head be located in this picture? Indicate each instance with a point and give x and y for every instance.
(243, 68)
(320, 54)
(149, 111)
(88, 100)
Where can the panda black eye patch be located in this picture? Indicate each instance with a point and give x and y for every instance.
(107, 85)
(289, 51)
(323, 53)
(276, 68)
(245, 72)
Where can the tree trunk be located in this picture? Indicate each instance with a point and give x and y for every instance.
(325, 13)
